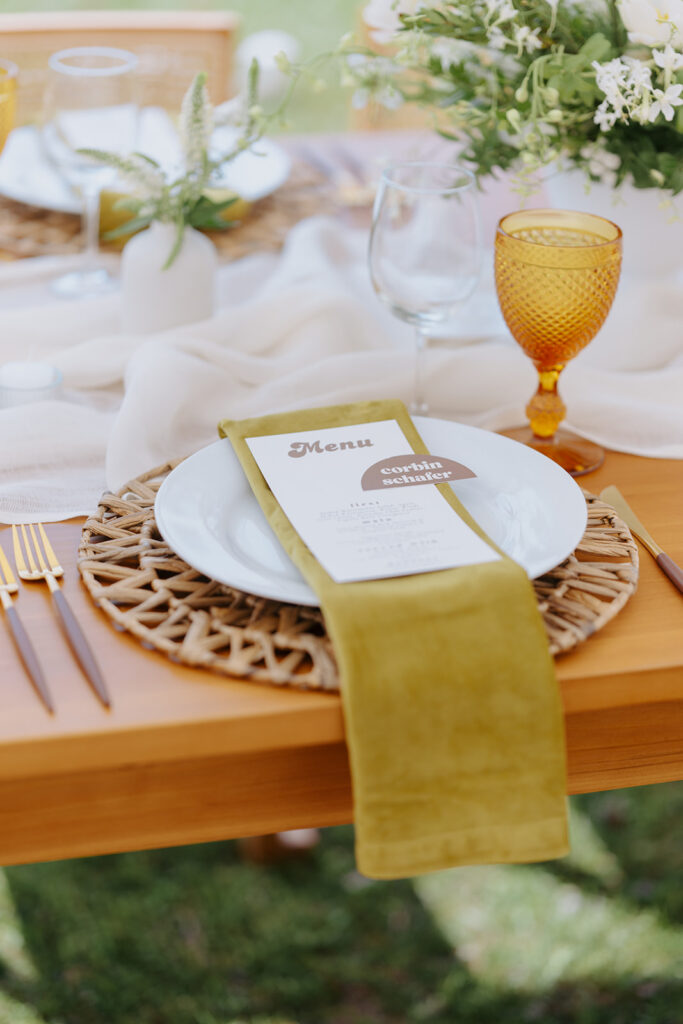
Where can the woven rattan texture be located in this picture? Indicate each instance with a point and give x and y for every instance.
(31, 231)
(145, 588)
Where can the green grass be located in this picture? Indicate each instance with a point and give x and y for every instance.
(195, 936)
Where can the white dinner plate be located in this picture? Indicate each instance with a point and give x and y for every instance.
(28, 176)
(530, 507)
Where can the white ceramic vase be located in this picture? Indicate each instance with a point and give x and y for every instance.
(154, 299)
(653, 234)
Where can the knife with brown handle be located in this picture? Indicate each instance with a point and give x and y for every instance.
(8, 587)
(612, 496)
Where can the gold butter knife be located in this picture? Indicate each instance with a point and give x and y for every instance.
(613, 496)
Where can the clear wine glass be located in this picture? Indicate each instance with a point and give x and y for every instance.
(89, 102)
(425, 249)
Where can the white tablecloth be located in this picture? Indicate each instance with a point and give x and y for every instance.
(299, 329)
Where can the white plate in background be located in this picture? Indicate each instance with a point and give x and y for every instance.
(28, 176)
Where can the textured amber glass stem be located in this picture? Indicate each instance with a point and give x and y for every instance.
(546, 410)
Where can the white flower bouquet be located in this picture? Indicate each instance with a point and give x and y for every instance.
(523, 83)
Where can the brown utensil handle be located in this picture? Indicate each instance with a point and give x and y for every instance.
(673, 571)
(80, 647)
(29, 657)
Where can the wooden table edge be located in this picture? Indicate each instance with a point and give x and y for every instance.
(231, 759)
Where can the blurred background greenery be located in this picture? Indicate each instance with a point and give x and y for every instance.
(318, 27)
(196, 936)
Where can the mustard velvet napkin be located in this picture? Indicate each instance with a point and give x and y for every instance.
(452, 711)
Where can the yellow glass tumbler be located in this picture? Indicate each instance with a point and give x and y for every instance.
(8, 99)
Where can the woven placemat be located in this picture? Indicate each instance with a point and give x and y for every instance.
(146, 589)
(33, 231)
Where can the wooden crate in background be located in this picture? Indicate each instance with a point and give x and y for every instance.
(170, 45)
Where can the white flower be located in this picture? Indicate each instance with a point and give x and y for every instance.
(383, 17)
(653, 22)
(449, 51)
(665, 102)
(497, 39)
(668, 59)
(627, 85)
(604, 117)
(500, 11)
(196, 122)
(372, 78)
(610, 78)
(639, 75)
(389, 97)
(527, 40)
(361, 64)
(369, 72)
(601, 163)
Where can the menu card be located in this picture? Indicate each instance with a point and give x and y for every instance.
(366, 505)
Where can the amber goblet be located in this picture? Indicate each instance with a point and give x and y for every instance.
(8, 93)
(556, 276)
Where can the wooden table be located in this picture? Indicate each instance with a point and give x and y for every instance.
(186, 757)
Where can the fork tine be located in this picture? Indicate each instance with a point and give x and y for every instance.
(18, 553)
(29, 552)
(5, 570)
(74, 633)
(55, 567)
(38, 550)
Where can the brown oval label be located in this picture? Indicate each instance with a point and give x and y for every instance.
(411, 471)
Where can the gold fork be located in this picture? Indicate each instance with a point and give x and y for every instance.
(9, 586)
(43, 564)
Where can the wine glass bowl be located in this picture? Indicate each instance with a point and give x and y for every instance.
(8, 99)
(424, 251)
(556, 275)
(89, 103)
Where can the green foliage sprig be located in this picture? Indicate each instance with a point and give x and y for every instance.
(523, 83)
(182, 199)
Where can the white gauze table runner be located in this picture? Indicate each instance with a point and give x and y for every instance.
(298, 329)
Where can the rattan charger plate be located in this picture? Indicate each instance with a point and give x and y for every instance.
(146, 589)
(32, 231)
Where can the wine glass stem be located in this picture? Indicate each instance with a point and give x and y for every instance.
(546, 410)
(91, 225)
(420, 406)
